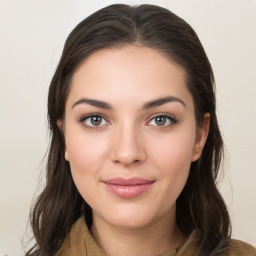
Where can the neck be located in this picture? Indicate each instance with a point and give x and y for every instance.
(154, 239)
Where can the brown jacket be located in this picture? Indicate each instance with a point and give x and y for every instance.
(80, 242)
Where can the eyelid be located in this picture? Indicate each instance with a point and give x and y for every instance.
(172, 119)
(84, 117)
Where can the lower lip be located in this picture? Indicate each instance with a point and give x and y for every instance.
(128, 191)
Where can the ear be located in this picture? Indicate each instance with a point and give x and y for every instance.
(60, 126)
(201, 137)
(66, 156)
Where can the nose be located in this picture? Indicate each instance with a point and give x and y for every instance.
(127, 146)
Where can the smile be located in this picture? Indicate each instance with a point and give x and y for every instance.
(128, 188)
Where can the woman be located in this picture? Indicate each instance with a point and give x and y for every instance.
(135, 146)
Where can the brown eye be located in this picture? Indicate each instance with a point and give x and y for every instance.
(94, 121)
(162, 120)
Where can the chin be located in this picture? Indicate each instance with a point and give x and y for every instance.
(131, 222)
(130, 217)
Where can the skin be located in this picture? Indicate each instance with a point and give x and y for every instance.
(128, 142)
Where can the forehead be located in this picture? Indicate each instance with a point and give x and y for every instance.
(128, 72)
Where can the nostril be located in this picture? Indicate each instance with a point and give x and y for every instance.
(127, 162)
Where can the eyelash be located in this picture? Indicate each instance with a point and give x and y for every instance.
(84, 118)
(170, 118)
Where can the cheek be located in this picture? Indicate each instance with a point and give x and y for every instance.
(87, 155)
(172, 157)
(86, 158)
(173, 150)
(85, 149)
(83, 155)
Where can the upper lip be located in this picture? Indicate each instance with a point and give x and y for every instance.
(128, 182)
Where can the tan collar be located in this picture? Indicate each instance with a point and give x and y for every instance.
(80, 242)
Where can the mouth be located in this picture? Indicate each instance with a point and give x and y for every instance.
(128, 188)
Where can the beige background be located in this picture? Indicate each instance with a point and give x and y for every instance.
(32, 34)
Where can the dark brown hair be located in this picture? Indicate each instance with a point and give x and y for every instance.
(200, 205)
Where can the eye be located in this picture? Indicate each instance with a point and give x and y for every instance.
(94, 121)
(162, 120)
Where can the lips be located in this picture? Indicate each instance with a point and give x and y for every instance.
(128, 188)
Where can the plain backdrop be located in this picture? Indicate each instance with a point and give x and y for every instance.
(32, 34)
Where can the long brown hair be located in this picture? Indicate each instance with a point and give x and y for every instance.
(200, 205)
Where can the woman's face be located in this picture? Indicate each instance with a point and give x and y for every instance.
(131, 135)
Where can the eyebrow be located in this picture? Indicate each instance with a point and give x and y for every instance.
(161, 101)
(147, 105)
(96, 103)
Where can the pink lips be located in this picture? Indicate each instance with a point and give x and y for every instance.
(128, 188)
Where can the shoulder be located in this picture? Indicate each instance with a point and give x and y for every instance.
(234, 248)
(240, 248)
(74, 242)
